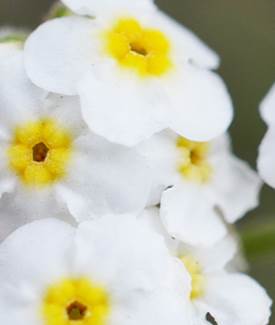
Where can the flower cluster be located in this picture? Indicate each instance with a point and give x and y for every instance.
(118, 183)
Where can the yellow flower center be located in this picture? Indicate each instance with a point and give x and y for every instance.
(197, 278)
(75, 302)
(194, 164)
(40, 152)
(144, 50)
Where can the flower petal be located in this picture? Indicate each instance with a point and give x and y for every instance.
(7, 179)
(214, 258)
(237, 299)
(266, 158)
(104, 178)
(190, 217)
(24, 205)
(98, 8)
(151, 219)
(267, 107)
(125, 255)
(30, 258)
(65, 110)
(162, 308)
(41, 250)
(20, 100)
(59, 52)
(201, 108)
(9, 49)
(186, 43)
(161, 154)
(120, 108)
(235, 187)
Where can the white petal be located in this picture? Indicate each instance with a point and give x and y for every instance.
(24, 205)
(220, 146)
(161, 154)
(59, 52)
(266, 158)
(9, 49)
(186, 43)
(35, 255)
(237, 299)
(190, 217)
(30, 259)
(7, 185)
(213, 258)
(151, 219)
(267, 107)
(104, 178)
(235, 187)
(20, 100)
(119, 107)
(133, 110)
(201, 108)
(151, 216)
(162, 308)
(124, 254)
(7, 178)
(98, 8)
(66, 111)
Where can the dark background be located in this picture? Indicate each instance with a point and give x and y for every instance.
(243, 33)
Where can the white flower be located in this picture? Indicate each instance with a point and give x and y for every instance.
(107, 272)
(266, 159)
(136, 70)
(216, 296)
(205, 180)
(50, 161)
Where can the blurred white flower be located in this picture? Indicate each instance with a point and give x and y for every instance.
(266, 158)
(136, 70)
(107, 272)
(216, 296)
(203, 181)
(50, 161)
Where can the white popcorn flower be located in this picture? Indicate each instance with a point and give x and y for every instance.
(136, 70)
(266, 158)
(107, 272)
(217, 296)
(203, 181)
(51, 162)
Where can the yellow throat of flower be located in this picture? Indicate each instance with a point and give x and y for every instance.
(144, 50)
(197, 278)
(40, 152)
(194, 164)
(75, 302)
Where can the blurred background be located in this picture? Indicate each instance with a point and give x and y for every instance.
(243, 33)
